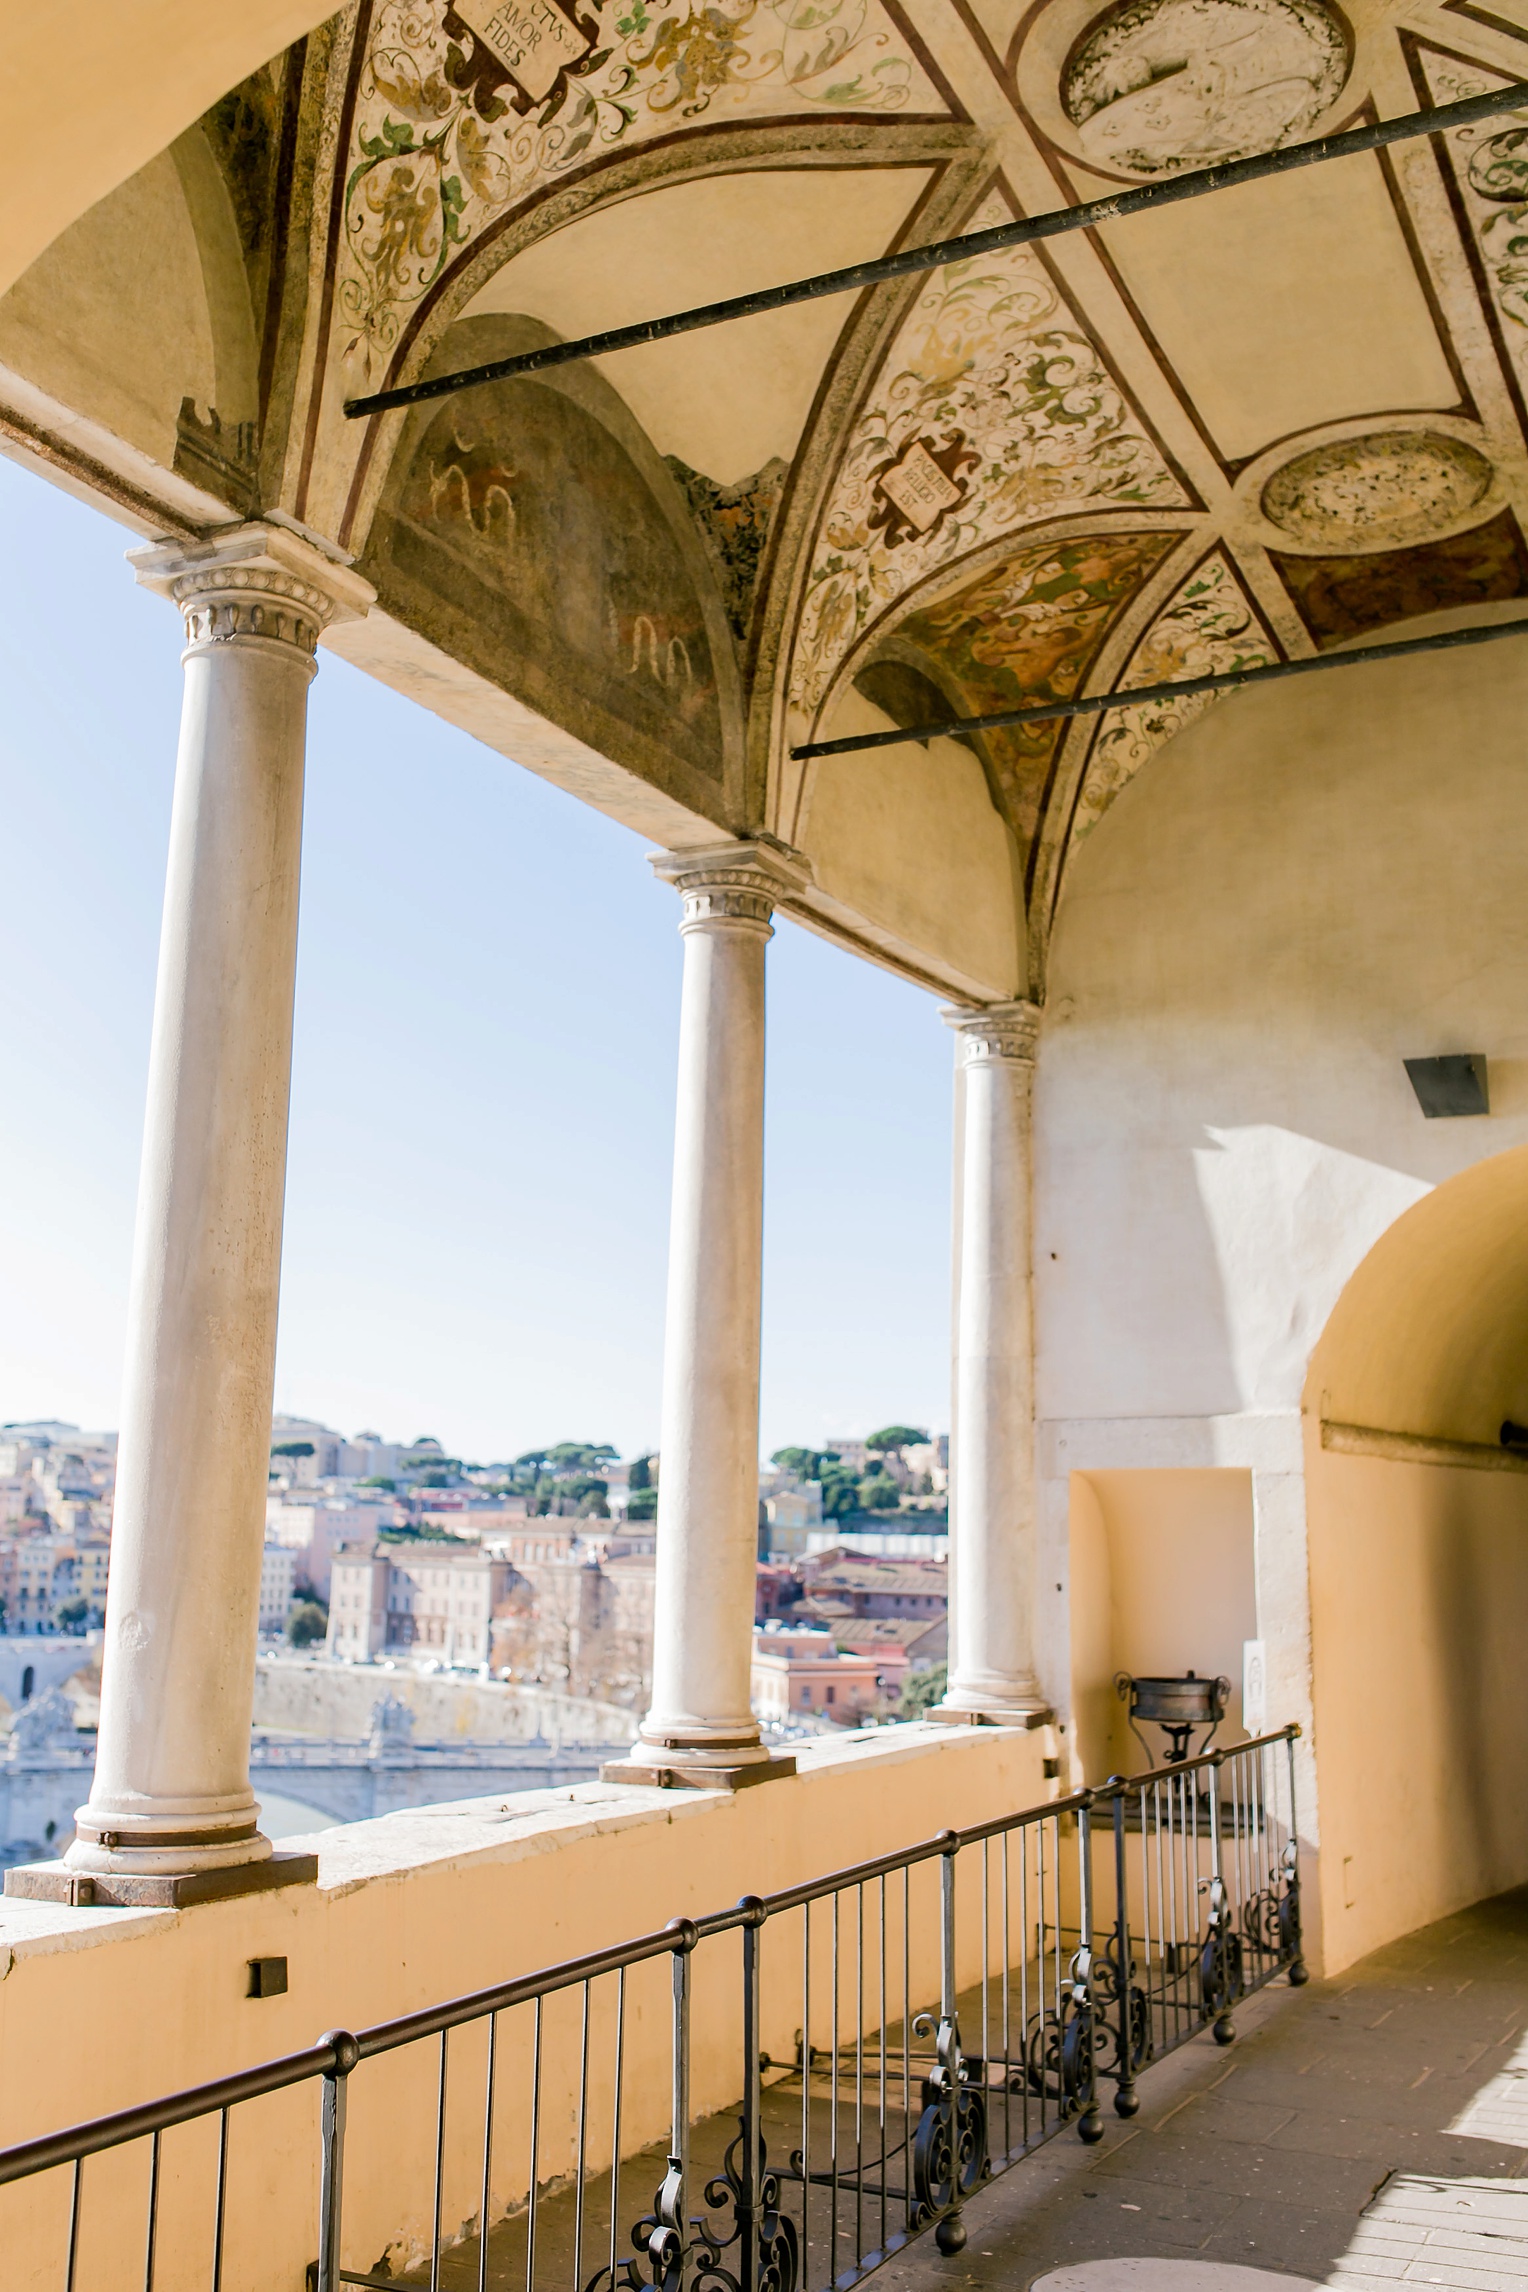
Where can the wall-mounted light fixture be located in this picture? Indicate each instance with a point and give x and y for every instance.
(1453, 1085)
(1177, 1706)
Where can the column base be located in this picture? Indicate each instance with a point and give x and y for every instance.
(945, 1715)
(674, 1774)
(159, 1890)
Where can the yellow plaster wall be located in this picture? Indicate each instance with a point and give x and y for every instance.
(1419, 1621)
(106, 87)
(414, 1909)
(113, 319)
(908, 838)
(1162, 1583)
(1419, 1572)
(1431, 1334)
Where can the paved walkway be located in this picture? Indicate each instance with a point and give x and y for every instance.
(1276, 2153)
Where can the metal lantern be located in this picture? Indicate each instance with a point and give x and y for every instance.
(1177, 1706)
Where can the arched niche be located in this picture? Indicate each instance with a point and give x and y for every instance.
(1430, 1336)
(530, 530)
(1417, 1524)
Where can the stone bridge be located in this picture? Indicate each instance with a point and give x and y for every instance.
(47, 1765)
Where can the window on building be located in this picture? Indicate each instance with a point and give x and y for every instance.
(828, 1697)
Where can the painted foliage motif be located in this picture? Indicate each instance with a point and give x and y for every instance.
(1490, 169)
(736, 521)
(1209, 627)
(466, 109)
(524, 521)
(1025, 633)
(990, 360)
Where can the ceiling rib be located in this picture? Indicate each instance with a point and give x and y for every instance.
(1194, 184)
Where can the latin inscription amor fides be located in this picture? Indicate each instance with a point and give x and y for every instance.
(919, 486)
(534, 41)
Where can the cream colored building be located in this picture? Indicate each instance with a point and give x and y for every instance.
(278, 1585)
(431, 1600)
(803, 1674)
(1238, 1324)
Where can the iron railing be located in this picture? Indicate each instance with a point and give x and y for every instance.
(888, 2038)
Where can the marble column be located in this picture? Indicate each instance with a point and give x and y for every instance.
(992, 1460)
(171, 1801)
(700, 1727)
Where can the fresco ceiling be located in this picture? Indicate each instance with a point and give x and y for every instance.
(1238, 431)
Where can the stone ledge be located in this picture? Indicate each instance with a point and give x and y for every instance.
(675, 1775)
(494, 1833)
(144, 1890)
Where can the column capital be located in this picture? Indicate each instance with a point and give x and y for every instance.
(738, 882)
(253, 583)
(1000, 1034)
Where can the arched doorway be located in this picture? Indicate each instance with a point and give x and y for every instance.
(1418, 1542)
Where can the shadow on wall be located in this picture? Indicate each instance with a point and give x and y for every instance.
(1419, 1569)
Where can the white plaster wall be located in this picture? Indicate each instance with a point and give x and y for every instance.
(1312, 883)
(1309, 885)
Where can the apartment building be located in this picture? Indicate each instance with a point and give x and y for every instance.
(435, 1599)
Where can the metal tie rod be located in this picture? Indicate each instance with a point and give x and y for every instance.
(1192, 185)
(1094, 704)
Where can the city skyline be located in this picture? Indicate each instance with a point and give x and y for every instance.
(390, 1437)
(483, 1088)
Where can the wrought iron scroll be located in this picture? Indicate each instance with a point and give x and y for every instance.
(680, 2252)
(1205, 1910)
(950, 2158)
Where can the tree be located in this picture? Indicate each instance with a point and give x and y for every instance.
(921, 1690)
(307, 1623)
(293, 1448)
(641, 1473)
(642, 1504)
(583, 1484)
(894, 1437)
(878, 1492)
(805, 1463)
(73, 1615)
(840, 1489)
(580, 1455)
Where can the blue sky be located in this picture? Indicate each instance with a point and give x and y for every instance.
(482, 1107)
